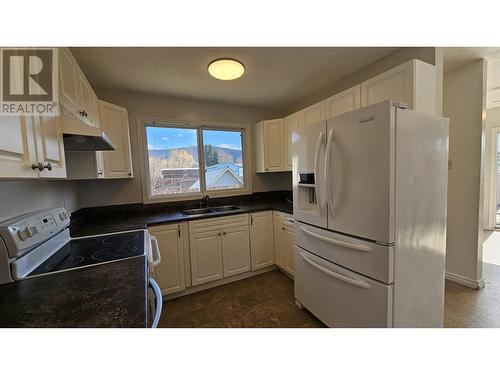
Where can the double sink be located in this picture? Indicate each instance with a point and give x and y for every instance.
(201, 211)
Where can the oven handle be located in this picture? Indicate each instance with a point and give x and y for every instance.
(156, 257)
(159, 301)
(358, 283)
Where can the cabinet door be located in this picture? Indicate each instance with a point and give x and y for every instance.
(345, 101)
(170, 273)
(395, 84)
(87, 101)
(314, 113)
(17, 150)
(262, 240)
(236, 250)
(114, 122)
(68, 82)
(206, 257)
(288, 246)
(279, 249)
(291, 123)
(274, 147)
(50, 145)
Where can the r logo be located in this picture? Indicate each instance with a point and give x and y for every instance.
(27, 75)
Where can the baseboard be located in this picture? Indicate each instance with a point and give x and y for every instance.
(462, 280)
(220, 282)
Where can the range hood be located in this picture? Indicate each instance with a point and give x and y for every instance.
(81, 137)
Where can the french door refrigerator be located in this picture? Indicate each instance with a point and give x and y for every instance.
(370, 192)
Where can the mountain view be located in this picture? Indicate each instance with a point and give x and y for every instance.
(226, 155)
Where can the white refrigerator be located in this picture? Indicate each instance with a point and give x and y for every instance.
(369, 193)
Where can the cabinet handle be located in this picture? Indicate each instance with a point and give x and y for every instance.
(179, 230)
(130, 174)
(282, 228)
(224, 233)
(219, 234)
(251, 219)
(38, 166)
(82, 113)
(48, 166)
(267, 169)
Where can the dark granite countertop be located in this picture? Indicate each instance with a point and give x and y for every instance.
(106, 295)
(109, 219)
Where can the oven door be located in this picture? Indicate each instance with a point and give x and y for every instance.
(155, 298)
(155, 303)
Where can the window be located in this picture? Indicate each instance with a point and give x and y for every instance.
(176, 165)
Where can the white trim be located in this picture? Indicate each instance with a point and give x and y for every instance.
(141, 121)
(220, 282)
(492, 176)
(462, 280)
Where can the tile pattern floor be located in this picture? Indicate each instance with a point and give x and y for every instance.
(261, 301)
(267, 301)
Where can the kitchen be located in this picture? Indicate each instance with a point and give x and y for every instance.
(238, 187)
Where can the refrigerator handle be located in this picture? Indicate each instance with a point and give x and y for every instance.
(327, 171)
(316, 175)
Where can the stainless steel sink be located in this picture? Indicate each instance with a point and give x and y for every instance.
(197, 211)
(229, 207)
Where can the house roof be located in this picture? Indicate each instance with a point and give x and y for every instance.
(215, 172)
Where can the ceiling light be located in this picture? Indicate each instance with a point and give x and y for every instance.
(226, 69)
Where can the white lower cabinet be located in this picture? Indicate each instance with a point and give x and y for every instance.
(172, 274)
(262, 239)
(236, 250)
(206, 256)
(284, 241)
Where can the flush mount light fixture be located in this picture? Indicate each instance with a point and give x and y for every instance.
(226, 69)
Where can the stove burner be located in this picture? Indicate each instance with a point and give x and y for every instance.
(65, 262)
(120, 239)
(111, 254)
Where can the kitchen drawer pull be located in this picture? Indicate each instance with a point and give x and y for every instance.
(156, 248)
(336, 242)
(358, 283)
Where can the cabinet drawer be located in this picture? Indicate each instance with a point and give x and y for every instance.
(339, 297)
(231, 221)
(365, 257)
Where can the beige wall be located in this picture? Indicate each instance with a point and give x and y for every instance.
(430, 55)
(97, 193)
(464, 103)
(18, 197)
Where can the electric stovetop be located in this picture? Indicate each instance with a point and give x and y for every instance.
(81, 252)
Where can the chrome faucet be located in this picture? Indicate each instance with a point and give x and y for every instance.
(205, 199)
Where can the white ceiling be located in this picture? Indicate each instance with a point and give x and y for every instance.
(275, 78)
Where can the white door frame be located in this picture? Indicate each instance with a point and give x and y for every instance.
(493, 174)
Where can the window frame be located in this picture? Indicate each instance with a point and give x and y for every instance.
(143, 122)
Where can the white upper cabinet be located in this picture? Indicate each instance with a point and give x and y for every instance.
(314, 113)
(68, 82)
(413, 83)
(261, 239)
(49, 146)
(345, 101)
(171, 272)
(293, 122)
(114, 123)
(269, 145)
(78, 100)
(31, 147)
(17, 149)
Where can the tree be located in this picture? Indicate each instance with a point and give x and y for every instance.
(211, 156)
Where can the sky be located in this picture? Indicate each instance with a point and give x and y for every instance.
(165, 138)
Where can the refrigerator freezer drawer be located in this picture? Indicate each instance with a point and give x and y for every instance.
(339, 297)
(365, 257)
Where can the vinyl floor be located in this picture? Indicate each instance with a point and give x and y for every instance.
(266, 301)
